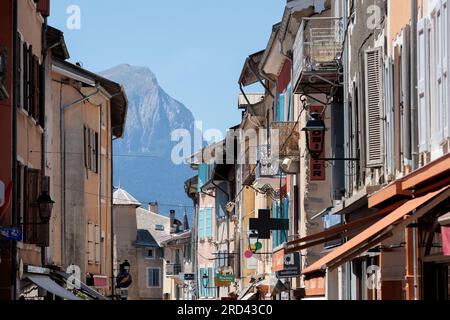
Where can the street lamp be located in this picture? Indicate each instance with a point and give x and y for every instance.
(205, 281)
(45, 205)
(315, 138)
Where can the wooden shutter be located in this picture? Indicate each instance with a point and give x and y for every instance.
(31, 82)
(389, 111)
(20, 74)
(32, 211)
(36, 89)
(25, 77)
(201, 224)
(397, 108)
(374, 105)
(97, 244)
(91, 243)
(43, 230)
(406, 95)
(96, 152)
(423, 73)
(86, 147)
(446, 66)
(209, 215)
(437, 78)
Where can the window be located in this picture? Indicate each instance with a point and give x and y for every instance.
(150, 254)
(91, 149)
(159, 227)
(153, 278)
(221, 200)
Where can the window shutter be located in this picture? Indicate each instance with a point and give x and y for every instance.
(20, 70)
(406, 94)
(212, 282)
(97, 244)
(86, 147)
(423, 73)
(96, 152)
(91, 244)
(446, 66)
(397, 108)
(25, 73)
(36, 89)
(209, 213)
(374, 105)
(30, 81)
(437, 78)
(32, 212)
(43, 233)
(201, 224)
(389, 111)
(281, 106)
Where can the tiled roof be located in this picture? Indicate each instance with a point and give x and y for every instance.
(149, 221)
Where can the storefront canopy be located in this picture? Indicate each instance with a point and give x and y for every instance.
(48, 284)
(83, 287)
(396, 221)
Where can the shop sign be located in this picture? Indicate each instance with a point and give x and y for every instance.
(189, 277)
(291, 266)
(226, 277)
(317, 146)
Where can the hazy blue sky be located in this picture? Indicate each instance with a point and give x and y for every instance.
(196, 48)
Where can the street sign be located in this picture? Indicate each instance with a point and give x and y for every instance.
(11, 234)
(189, 277)
(226, 277)
(292, 267)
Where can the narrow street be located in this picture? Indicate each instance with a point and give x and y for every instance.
(312, 164)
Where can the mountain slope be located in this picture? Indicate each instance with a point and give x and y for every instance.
(150, 175)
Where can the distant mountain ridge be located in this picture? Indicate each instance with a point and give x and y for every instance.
(152, 116)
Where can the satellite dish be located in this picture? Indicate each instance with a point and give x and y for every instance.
(290, 166)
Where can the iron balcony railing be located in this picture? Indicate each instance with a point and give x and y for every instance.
(173, 269)
(318, 45)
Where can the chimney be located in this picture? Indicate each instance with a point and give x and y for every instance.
(153, 207)
(173, 227)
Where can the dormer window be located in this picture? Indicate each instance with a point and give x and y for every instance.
(159, 227)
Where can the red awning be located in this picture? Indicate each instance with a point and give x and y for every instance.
(396, 221)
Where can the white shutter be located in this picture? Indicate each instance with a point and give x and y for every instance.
(91, 245)
(446, 66)
(374, 105)
(423, 74)
(97, 244)
(389, 111)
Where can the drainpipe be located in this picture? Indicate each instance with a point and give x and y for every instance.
(43, 116)
(414, 102)
(14, 153)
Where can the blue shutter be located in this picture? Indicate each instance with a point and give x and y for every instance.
(212, 282)
(221, 200)
(201, 224)
(200, 282)
(281, 107)
(289, 106)
(209, 213)
(275, 234)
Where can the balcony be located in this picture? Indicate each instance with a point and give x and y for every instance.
(173, 269)
(288, 139)
(317, 55)
(267, 173)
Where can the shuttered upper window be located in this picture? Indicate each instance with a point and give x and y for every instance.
(374, 107)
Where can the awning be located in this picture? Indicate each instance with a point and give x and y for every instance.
(246, 291)
(396, 221)
(249, 296)
(332, 234)
(444, 220)
(83, 287)
(51, 286)
(272, 286)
